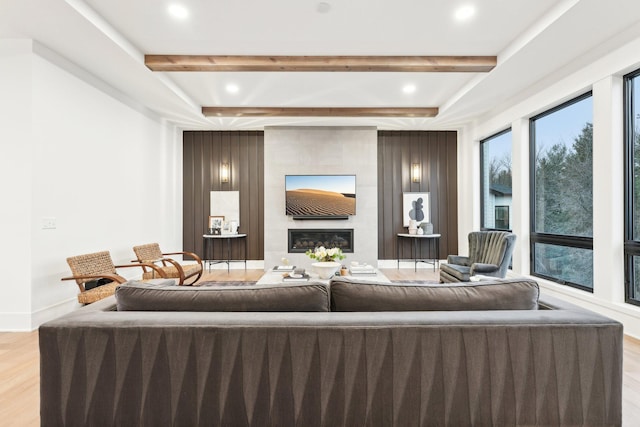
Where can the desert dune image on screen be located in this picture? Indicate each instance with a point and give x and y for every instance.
(320, 195)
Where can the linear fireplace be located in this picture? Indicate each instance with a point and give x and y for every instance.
(303, 239)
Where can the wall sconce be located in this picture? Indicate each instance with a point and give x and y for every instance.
(415, 172)
(224, 172)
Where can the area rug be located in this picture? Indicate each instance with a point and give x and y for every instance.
(221, 283)
(252, 283)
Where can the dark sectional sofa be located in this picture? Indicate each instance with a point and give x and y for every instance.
(347, 354)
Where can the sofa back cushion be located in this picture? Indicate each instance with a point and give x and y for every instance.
(139, 296)
(512, 294)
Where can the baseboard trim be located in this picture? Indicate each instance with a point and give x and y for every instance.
(15, 322)
(27, 322)
(53, 311)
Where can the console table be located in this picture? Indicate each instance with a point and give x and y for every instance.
(209, 248)
(433, 239)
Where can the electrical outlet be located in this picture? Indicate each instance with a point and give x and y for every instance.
(48, 223)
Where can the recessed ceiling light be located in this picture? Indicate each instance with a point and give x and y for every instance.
(323, 7)
(464, 13)
(232, 88)
(410, 88)
(178, 11)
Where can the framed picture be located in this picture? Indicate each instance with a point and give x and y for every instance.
(415, 206)
(226, 203)
(216, 221)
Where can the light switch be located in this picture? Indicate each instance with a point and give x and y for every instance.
(48, 223)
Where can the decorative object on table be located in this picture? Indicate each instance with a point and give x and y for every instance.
(322, 254)
(362, 269)
(295, 277)
(230, 227)
(215, 224)
(413, 226)
(420, 231)
(344, 271)
(415, 206)
(326, 267)
(427, 228)
(284, 268)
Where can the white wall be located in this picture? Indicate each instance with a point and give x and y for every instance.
(326, 150)
(604, 78)
(15, 177)
(106, 172)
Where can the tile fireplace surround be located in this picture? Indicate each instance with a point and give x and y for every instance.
(302, 239)
(326, 151)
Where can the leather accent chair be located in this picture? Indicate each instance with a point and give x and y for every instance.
(489, 255)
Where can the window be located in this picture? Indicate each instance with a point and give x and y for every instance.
(561, 159)
(495, 182)
(502, 217)
(632, 187)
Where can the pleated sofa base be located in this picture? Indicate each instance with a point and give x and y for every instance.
(560, 365)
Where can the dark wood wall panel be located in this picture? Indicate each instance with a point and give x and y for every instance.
(203, 153)
(436, 152)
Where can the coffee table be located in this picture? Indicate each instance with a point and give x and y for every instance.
(275, 278)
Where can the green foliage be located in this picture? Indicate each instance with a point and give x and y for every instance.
(636, 186)
(564, 187)
(500, 171)
(564, 205)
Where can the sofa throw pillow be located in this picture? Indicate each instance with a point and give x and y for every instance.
(514, 294)
(139, 296)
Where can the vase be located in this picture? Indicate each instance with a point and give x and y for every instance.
(427, 227)
(326, 269)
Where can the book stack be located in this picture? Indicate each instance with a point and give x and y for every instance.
(284, 268)
(292, 277)
(297, 275)
(362, 269)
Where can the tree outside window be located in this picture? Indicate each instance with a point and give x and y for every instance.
(562, 193)
(495, 183)
(632, 187)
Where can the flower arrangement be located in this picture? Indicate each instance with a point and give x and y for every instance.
(322, 254)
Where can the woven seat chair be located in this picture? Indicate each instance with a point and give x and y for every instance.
(98, 265)
(168, 267)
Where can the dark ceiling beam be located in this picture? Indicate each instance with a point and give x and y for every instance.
(318, 112)
(476, 64)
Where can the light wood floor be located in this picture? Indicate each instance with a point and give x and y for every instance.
(20, 366)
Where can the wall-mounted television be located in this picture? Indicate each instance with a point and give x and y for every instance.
(320, 196)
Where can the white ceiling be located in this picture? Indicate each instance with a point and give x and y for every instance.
(532, 39)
